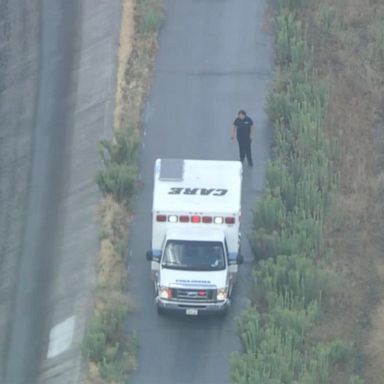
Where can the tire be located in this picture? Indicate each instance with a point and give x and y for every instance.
(224, 313)
(160, 311)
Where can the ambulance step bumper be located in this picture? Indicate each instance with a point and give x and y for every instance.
(192, 309)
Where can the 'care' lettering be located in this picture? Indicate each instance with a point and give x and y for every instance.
(175, 191)
(198, 191)
(190, 191)
(220, 192)
(206, 192)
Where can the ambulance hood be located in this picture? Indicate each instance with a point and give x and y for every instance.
(180, 278)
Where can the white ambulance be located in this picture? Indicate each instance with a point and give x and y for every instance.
(195, 249)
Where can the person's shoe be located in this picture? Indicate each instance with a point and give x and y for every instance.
(250, 164)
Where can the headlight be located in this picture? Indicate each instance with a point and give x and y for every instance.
(165, 292)
(222, 294)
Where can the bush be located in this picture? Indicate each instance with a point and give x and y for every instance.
(293, 4)
(94, 344)
(118, 180)
(151, 16)
(276, 354)
(122, 149)
(291, 48)
(105, 343)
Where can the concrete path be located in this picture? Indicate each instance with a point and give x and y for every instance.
(57, 68)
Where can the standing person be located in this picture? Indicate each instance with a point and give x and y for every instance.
(243, 129)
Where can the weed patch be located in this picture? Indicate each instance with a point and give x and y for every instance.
(290, 279)
(343, 54)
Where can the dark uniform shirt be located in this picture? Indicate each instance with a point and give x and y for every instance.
(243, 128)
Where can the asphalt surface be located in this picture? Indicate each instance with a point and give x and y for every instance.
(215, 58)
(57, 78)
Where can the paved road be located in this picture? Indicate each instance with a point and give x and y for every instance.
(215, 58)
(57, 72)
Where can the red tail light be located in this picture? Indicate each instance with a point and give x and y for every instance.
(201, 293)
(161, 218)
(184, 219)
(207, 219)
(195, 219)
(229, 220)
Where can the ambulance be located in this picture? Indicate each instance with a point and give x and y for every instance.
(195, 246)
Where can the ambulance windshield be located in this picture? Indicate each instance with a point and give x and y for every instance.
(194, 255)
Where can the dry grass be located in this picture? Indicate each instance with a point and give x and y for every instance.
(135, 77)
(346, 53)
(125, 48)
(375, 347)
(136, 56)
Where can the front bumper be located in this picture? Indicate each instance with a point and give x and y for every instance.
(190, 308)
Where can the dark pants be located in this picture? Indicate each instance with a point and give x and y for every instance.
(245, 149)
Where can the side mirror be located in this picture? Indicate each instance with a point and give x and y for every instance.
(238, 260)
(153, 257)
(149, 255)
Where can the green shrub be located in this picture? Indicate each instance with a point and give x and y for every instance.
(339, 351)
(104, 333)
(151, 15)
(263, 243)
(276, 354)
(269, 212)
(327, 18)
(376, 49)
(118, 177)
(94, 344)
(356, 380)
(118, 180)
(291, 274)
(122, 149)
(293, 4)
(277, 107)
(111, 321)
(112, 370)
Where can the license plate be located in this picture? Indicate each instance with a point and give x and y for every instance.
(191, 311)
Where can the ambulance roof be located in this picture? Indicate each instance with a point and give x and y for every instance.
(202, 234)
(197, 186)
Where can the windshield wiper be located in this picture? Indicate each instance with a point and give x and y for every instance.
(174, 266)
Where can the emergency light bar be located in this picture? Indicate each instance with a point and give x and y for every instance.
(196, 219)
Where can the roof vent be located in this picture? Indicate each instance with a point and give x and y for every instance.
(171, 169)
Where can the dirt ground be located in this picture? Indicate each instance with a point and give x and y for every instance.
(348, 49)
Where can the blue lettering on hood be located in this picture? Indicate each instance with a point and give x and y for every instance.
(193, 281)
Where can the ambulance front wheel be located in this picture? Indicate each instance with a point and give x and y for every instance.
(160, 311)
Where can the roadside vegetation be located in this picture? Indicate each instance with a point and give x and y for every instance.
(110, 352)
(318, 237)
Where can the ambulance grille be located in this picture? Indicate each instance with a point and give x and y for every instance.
(199, 295)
